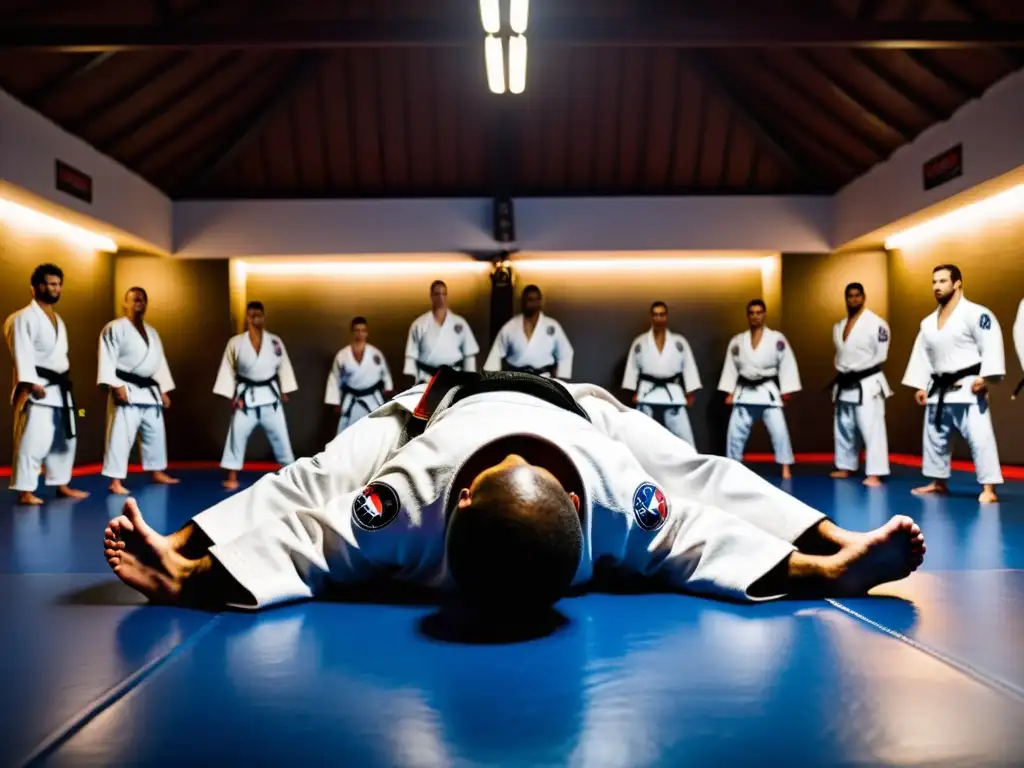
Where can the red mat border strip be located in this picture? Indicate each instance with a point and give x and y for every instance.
(899, 459)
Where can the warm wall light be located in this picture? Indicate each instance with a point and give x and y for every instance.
(1008, 203)
(519, 15)
(495, 64)
(20, 216)
(321, 268)
(517, 64)
(490, 16)
(635, 265)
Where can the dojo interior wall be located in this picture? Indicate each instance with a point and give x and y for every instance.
(88, 274)
(991, 257)
(313, 313)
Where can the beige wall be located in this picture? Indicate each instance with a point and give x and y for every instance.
(991, 257)
(84, 307)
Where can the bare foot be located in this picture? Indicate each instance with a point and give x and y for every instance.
(116, 486)
(28, 498)
(142, 558)
(72, 493)
(872, 481)
(934, 487)
(786, 473)
(886, 554)
(163, 478)
(231, 485)
(839, 474)
(988, 497)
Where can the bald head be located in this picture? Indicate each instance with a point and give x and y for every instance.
(515, 539)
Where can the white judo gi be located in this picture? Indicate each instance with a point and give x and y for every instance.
(370, 506)
(1018, 342)
(430, 345)
(662, 379)
(44, 429)
(546, 353)
(256, 379)
(945, 364)
(757, 380)
(859, 392)
(126, 359)
(357, 386)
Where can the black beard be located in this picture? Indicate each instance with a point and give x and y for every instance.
(46, 298)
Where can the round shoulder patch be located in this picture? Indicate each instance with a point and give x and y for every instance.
(735, 350)
(780, 345)
(985, 321)
(883, 333)
(551, 330)
(650, 507)
(636, 349)
(277, 348)
(458, 327)
(376, 359)
(679, 346)
(376, 507)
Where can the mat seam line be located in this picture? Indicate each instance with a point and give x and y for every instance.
(964, 668)
(60, 735)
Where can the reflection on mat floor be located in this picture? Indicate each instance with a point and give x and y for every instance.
(929, 671)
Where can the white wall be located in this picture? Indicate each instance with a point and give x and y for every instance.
(218, 229)
(991, 130)
(30, 145)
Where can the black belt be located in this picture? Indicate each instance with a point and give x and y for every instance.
(852, 380)
(662, 382)
(142, 381)
(67, 397)
(359, 393)
(243, 385)
(550, 369)
(944, 382)
(744, 382)
(430, 370)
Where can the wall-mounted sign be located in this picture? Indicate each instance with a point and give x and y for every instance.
(944, 167)
(74, 182)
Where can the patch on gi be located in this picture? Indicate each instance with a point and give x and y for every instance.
(376, 359)
(679, 346)
(650, 507)
(883, 334)
(736, 350)
(985, 322)
(277, 348)
(780, 345)
(551, 330)
(458, 327)
(376, 507)
(636, 349)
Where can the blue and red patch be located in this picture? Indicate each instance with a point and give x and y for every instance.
(277, 348)
(376, 507)
(650, 507)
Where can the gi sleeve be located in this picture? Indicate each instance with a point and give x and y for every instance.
(789, 374)
(1018, 333)
(691, 374)
(989, 337)
(469, 364)
(19, 340)
(563, 354)
(469, 346)
(882, 338)
(385, 375)
(412, 352)
(163, 374)
(630, 377)
(919, 370)
(332, 394)
(499, 349)
(225, 383)
(730, 375)
(285, 372)
(109, 351)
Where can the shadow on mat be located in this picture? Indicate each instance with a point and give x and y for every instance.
(105, 593)
(453, 623)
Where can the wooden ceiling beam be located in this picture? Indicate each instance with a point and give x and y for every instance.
(647, 30)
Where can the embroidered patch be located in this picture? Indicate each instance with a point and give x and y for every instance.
(780, 345)
(679, 346)
(551, 330)
(650, 507)
(985, 322)
(636, 349)
(277, 348)
(376, 359)
(736, 351)
(883, 333)
(376, 507)
(458, 327)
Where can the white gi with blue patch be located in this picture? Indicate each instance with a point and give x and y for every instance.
(662, 378)
(431, 345)
(546, 352)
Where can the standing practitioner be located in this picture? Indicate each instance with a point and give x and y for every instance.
(860, 389)
(44, 406)
(359, 381)
(532, 342)
(662, 374)
(133, 369)
(1018, 342)
(759, 375)
(439, 337)
(957, 354)
(256, 376)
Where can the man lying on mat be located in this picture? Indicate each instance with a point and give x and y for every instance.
(508, 488)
